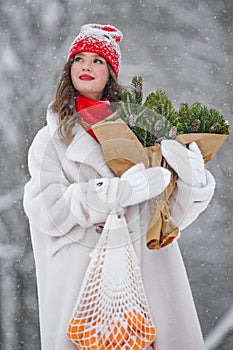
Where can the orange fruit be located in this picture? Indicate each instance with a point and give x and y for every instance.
(76, 329)
(136, 320)
(117, 334)
(141, 331)
(102, 343)
(137, 343)
(132, 345)
(149, 332)
(85, 334)
(140, 342)
(89, 337)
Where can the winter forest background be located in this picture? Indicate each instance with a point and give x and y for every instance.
(184, 47)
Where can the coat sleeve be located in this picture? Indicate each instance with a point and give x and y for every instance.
(53, 204)
(187, 202)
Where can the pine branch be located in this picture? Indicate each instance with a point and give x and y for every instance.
(156, 118)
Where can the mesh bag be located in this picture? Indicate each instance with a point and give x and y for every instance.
(111, 311)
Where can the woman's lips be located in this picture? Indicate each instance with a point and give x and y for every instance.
(86, 77)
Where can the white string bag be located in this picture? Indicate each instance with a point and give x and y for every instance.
(111, 311)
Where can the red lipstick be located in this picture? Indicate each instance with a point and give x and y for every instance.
(86, 77)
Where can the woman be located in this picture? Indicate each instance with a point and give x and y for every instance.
(72, 190)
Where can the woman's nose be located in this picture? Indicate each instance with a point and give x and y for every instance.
(86, 66)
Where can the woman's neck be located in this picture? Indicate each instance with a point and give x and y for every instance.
(93, 96)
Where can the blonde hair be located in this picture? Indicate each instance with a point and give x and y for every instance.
(64, 103)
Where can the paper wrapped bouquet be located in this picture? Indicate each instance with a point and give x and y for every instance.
(132, 134)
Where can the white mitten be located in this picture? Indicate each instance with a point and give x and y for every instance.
(138, 184)
(187, 202)
(188, 163)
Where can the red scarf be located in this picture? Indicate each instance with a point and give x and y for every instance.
(92, 111)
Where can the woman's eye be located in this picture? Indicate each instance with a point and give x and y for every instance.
(78, 59)
(97, 60)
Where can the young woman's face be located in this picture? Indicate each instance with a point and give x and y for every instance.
(89, 74)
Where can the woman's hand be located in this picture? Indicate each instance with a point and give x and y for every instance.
(138, 184)
(188, 163)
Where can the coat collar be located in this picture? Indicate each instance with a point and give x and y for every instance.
(83, 148)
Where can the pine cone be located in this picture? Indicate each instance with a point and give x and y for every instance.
(215, 128)
(173, 132)
(158, 125)
(195, 125)
(138, 87)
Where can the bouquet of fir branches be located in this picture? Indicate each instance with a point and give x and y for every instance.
(132, 134)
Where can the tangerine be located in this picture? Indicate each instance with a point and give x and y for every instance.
(89, 337)
(102, 343)
(150, 332)
(140, 342)
(132, 345)
(117, 333)
(142, 332)
(76, 329)
(136, 320)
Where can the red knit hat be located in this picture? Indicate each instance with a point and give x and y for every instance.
(101, 39)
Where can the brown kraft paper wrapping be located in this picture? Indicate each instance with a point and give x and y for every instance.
(209, 144)
(122, 149)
